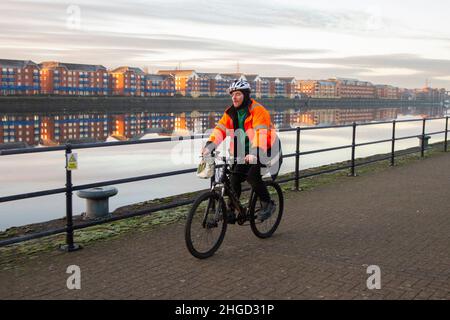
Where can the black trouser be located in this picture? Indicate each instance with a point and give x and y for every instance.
(251, 173)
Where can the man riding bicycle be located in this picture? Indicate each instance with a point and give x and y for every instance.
(254, 144)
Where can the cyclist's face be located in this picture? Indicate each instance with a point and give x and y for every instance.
(237, 98)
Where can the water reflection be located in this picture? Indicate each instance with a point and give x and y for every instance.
(41, 171)
(48, 130)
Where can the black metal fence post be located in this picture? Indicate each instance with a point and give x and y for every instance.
(70, 245)
(446, 134)
(422, 145)
(353, 174)
(393, 144)
(297, 161)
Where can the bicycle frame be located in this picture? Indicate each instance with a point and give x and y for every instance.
(227, 189)
(216, 217)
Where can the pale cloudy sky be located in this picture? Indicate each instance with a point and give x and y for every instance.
(396, 42)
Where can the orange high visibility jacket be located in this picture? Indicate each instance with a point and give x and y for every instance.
(258, 127)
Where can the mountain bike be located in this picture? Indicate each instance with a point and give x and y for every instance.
(210, 214)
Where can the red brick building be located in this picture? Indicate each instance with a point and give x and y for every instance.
(128, 81)
(387, 92)
(17, 128)
(61, 128)
(181, 77)
(353, 88)
(316, 88)
(159, 85)
(288, 86)
(74, 79)
(201, 84)
(19, 77)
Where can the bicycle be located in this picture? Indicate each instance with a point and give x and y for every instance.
(209, 216)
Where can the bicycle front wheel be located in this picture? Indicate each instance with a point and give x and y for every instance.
(266, 228)
(206, 225)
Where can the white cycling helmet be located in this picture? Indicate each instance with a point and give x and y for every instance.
(239, 85)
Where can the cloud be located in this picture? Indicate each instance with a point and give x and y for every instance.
(393, 64)
(164, 32)
(376, 72)
(444, 78)
(119, 48)
(248, 14)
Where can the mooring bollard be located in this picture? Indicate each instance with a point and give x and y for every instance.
(424, 144)
(97, 205)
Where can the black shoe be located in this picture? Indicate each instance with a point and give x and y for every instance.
(267, 209)
(231, 217)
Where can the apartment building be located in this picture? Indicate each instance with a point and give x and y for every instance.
(317, 88)
(181, 77)
(289, 86)
(74, 79)
(387, 92)
(61, 128)
(19, 77)
(128, 81)
(201, 84)
(17, 128)
(159, 85)
(353, 88)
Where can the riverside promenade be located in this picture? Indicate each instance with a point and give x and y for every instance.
(397, 219)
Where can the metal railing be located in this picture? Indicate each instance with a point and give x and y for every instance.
(70, 188)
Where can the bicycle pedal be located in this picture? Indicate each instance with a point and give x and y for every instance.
(231, 219)
(211, 225)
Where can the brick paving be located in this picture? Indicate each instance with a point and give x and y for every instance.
(397, 219)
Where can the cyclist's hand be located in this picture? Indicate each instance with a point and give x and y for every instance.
(205, 152)
(250, 159)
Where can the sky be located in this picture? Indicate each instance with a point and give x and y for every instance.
(403, 43)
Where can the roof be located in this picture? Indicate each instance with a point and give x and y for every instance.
(6, 63)
(72, 66)
(384, 86)
(251, 77)
(326, 83)
(307, 80)
(126, 68)
(225, 76)
(207, 75)
(344, 79)
(287, 79)
(156, 77)
(233, 75)
(269, 78)
(185, 73)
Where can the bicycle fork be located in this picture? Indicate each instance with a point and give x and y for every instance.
(212, 207)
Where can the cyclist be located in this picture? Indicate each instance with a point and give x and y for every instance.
(253, 144)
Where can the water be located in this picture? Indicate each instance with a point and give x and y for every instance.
(42, 171)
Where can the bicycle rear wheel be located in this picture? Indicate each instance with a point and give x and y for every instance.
(266, 228)
(206, 225)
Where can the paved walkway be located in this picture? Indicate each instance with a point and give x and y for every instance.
(397, 219)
